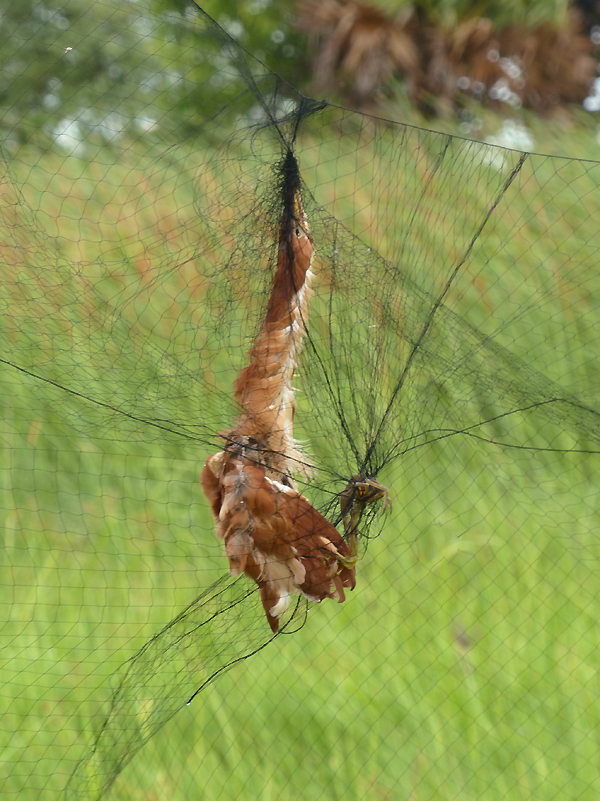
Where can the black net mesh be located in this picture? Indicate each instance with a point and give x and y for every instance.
(451, 354)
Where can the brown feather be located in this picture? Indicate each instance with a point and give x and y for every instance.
(264, 388)
(289, 550)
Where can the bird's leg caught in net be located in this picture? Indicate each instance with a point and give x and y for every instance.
(359, 492)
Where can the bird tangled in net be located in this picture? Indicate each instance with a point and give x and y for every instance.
(316, 253)
(270, 531)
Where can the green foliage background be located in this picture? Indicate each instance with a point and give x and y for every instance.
(60, 59)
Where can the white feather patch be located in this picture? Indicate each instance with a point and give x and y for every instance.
(281, 605)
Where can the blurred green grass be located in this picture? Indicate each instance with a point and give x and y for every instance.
(463, 666)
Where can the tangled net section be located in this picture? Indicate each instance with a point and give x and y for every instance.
(449, 368)
(216, 631)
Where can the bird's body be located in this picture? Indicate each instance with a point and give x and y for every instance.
(273, 535)
(270, 531)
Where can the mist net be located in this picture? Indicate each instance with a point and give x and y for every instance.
(450, 355)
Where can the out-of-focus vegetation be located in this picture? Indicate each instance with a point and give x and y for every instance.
(448, 55)
(76, 62)
(60, 60)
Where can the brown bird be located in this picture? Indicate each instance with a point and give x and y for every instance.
(269, 530)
